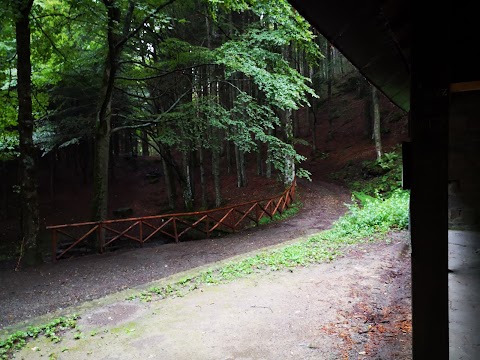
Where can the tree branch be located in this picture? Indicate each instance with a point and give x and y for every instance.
(128, 17)
(49, 39)
(138, 126)
(142, 24)
(181, 70)
(143, 97)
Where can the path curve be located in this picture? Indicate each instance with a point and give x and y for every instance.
(36, 291)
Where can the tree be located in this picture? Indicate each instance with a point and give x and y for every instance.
(189, 88)
(193, 89)
(329, 49)
(260, 55)
(118, 34)
(104, 112)
(28, 179)
(377, 136)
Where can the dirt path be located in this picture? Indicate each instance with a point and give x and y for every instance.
(316, 312)
(32, 292)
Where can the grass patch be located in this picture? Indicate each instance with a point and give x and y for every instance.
(292, 210)
(53, 331)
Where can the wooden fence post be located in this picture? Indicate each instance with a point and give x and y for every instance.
(101, 237)
(207, 226)
(175, 232)
(54, 245)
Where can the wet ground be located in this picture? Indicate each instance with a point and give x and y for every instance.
(356, 307)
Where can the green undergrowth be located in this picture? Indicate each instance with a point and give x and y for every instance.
(374, 177)
(363, 222)
(53, 331)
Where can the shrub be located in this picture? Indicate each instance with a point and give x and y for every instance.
(372, 216)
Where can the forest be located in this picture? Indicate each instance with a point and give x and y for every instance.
(206, 88)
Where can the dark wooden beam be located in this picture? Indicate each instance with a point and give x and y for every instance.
(465, 86)
(428, 126)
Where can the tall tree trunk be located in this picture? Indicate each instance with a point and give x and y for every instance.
(104, 118)
(216, 176)
(187, 181)
(237, 163)
(206, 91)
(286, 117)
(243, 169)
(268, 165)
(4, 190)
(259, 159)
(240, 162)
(203, 181)
(329, 70)
(116, 38)
(145, 145)
(376, 123)
(312, 116)
(134, 143)
(169, 184)
(28, 174)
(228, 154)
(329, 89)
(289, 165)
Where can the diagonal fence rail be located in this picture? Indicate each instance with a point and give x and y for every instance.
(102, 235)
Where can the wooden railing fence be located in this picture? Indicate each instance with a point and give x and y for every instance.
(103, 234)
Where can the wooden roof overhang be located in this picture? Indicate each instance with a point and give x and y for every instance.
(376, 37)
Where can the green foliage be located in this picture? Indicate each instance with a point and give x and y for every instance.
(8, 144)
(378, 202)
(190, 125)
(386, 180)
(292, 210)
(52, 331)
(182, 90)
(8, 83)
(61, 47)
(362, 197)
(374, 177)
(286, 25)
(303, 173)
(180, 53)
(374, 216)
(253, 56)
